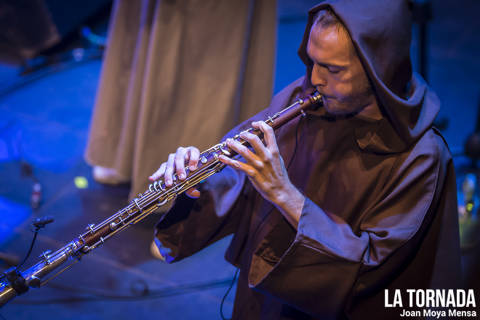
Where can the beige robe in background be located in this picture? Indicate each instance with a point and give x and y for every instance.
(178, 73)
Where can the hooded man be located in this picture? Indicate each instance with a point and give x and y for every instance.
(335, 207)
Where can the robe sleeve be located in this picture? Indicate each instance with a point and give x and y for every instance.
(318, 270)
(192, 224)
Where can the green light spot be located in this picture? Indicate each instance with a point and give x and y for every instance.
(81, 182)
(469, 207)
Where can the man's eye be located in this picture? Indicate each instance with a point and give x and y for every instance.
(334, 70)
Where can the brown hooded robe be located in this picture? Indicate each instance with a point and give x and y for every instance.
(380, 211)
(202, 66)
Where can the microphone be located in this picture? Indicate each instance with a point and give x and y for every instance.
(42, 221)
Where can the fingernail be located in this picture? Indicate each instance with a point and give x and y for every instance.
(192, 167)
(182, 175)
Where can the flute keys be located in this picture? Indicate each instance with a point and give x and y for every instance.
(45, 254)
(90, 228)
(203, 160)
(225, 152)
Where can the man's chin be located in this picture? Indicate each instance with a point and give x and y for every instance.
(332, 108)
(337, 111)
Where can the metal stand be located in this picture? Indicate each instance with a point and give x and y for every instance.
(422, 14)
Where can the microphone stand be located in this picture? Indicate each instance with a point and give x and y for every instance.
(13, 274)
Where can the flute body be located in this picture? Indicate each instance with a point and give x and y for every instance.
(15, 282)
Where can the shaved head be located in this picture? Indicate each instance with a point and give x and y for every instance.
(327, 19)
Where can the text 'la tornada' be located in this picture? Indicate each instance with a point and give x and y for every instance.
(431, 298)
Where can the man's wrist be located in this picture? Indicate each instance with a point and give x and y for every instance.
(290, 202)
(288, 195)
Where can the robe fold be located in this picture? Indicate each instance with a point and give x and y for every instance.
(202, 66)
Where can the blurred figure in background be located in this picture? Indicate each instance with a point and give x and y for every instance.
(203, 66)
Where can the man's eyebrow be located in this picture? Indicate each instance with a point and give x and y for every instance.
(327, 65)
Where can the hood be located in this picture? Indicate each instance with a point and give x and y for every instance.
(381, 34)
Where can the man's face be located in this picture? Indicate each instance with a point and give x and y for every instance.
(337, 71)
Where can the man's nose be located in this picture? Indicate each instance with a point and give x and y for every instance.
(318, 78)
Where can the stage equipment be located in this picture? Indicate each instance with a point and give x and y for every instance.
(472, 145)
(14, 282)
(468, 193)
(422, 14)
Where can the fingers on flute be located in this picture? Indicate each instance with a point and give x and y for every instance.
(169, 170)
(159, 173)
(176, 164)
(256, 144)
(248, 155)
(249, 170)
(268, 134)
(193, 193)
(180, 156)
(193, 156)
(229, 162)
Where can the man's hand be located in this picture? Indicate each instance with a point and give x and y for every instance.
(266, 170)
(176, 164)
